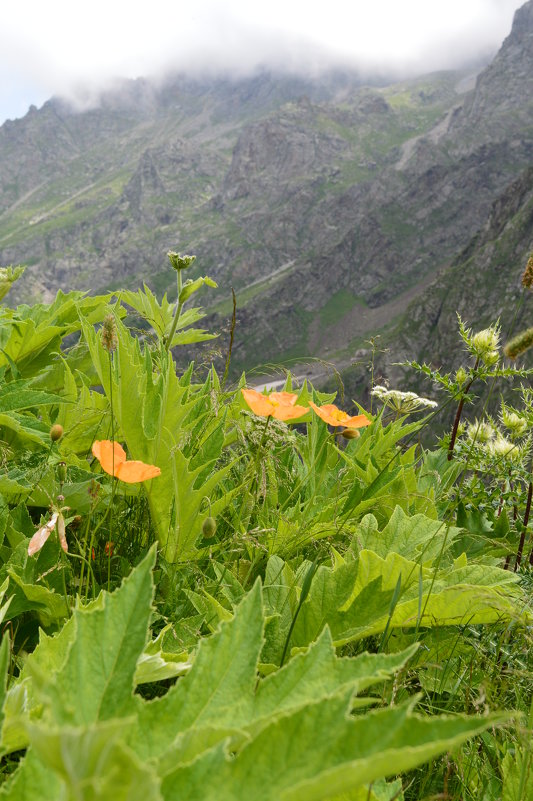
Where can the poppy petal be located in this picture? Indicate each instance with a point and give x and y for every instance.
(358, 421)
(289, 412)
(258, 403)
(284, 398)
(131, 471)
(334, 416)
(61, 532)
(41, 535)
(109, 454)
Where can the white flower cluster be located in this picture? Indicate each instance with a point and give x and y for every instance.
(402, 402)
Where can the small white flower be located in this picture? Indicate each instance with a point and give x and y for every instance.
(402, 402)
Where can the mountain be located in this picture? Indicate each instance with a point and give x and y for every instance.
(328, 205)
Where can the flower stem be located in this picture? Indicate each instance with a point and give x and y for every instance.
(177, 313)
(457, 420)
(524, 529)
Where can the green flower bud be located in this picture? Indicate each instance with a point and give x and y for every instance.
(179, 262)
(461, 376)
(8, 276)
(209, 528)
(61, 468)
(350, 433)
(516, 424)
(485, 345)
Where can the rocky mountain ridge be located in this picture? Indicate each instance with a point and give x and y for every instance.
(328, 205)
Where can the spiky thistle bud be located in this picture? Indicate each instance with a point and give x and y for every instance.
(56, 432)
(527, 276)
(109, 334)
(519, 344)
(502, 447)
(515, 423)
(481, 432)
(461, 376)
(485, 345)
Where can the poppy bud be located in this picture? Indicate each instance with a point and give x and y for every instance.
(61, 472)
(350, 433)
(56, 432)
(209, 528)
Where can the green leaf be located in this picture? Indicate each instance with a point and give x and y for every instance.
(31, 781)
(102, 658)
(93, 763)
(319, 752)
(189, 288)
(50, 606)
(220, 684)
(415, 537)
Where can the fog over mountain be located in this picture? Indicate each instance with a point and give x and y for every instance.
(336, 209)
(78, 50)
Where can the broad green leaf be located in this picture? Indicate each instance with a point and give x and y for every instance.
(190, 287)
(93, 763)
(319, 752)
(102, 659)
(19, 395)
(319, 673)
(220, 684)
(31, 781)
(414, 537)
(50, 606)
(518, 775)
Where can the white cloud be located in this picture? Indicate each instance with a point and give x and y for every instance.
(53, 47)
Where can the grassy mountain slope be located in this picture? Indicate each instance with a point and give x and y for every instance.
(328, 205)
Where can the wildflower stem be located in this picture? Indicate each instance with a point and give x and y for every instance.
(459, 412)
(524, 529)
(177, 313)
(231, 336)
(113, 466)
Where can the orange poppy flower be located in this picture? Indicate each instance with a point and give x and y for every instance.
(281, 405)
(112, 458)
(333, 416)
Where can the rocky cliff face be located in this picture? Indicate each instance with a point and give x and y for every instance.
(328, 205)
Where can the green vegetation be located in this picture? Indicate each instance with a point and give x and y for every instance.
(207, 593)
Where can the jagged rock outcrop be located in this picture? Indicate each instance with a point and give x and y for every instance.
(328, 205)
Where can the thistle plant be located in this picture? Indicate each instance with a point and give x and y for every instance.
(486, 365)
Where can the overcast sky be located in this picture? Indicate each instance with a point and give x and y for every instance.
(52, 47)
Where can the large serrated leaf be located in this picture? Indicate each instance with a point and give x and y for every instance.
(102, 658)
(319, 752)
